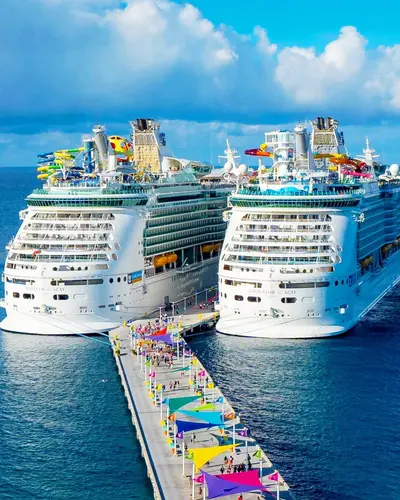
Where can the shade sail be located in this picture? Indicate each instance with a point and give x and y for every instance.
(218, 487)
(176, 403)
(203, 455)
(161, 338)
(184, 426)
(248, 478)
(206, 407)
(214, 417)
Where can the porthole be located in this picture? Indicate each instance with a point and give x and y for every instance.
(254, 299)
(111, 280)
(117, 246)
(60, 297)
(124, 278)
(336, 283)
(119, 280)
(16, 295)
(288, 300)
(114, 256)
(239, 298)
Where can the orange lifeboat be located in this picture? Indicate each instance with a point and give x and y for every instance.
(171, 258)
(207, 248)
(160, 261)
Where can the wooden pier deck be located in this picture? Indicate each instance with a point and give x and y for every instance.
(170, 474)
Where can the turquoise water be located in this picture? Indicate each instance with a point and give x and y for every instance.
(326, 411)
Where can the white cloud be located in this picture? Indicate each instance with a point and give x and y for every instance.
(99, 60)
(309, 78)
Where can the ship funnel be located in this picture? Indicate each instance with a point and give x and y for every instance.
(301, 146)
(101, 141)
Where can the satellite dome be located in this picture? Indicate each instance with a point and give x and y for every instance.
(394, 170)
(228, 166)
(242, 169)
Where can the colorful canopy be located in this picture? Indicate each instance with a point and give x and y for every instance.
(176, 403)
(248, 478)
(218, 487)
(206, 407)
(161, 338)
(203, 455)
(184, 426)
(213, 417)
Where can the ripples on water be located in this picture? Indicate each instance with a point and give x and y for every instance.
(326, 411)
(65, 430)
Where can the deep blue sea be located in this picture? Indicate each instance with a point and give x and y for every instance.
(326, 411)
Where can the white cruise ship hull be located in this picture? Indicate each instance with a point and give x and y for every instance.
(371, 290)
(174, 285)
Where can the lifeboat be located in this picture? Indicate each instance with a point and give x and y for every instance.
(43, 176)
(207, 248)
(160, 261)
(42, 169)
(171, 258)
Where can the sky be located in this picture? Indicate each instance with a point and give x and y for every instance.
(206, 69)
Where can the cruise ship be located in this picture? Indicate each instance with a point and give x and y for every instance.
(313, 236)
(119, 229)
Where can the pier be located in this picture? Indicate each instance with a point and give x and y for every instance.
(155, 392)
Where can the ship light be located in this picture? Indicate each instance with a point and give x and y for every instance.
(342, 309)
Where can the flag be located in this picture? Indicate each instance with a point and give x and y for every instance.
(273, 477)
(195, 361)
(230, 416)
(172, 418)
(210, 385)
(258, 454)
(243, 433)
(159, 387)
(152, 375)
(202, 373)
(220, 400)
(199, 479)
(179, 435)
(189, 456)
(148, 363)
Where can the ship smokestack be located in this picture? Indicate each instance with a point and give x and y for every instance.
(101, 141)
(301, 145)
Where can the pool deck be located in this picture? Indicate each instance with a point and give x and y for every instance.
(169, 473)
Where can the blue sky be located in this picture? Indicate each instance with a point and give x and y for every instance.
(205, 69)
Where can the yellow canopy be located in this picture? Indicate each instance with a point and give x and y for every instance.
(203, 455)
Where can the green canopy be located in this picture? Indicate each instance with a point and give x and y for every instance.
(175, 403)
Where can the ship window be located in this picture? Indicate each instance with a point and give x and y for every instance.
(102, 307)
(288, 300)
(28, 296)
(229, 282)
(60, 297)
(227, 267)
(254, 299)
(336, 283)
(239, 297)
(124, 278)
(119, 280)
(111, 280)
(114, 257)
(16, 295)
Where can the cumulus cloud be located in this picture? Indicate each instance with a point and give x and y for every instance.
(105, 60)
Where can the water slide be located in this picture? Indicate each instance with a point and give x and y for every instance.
(261, 151)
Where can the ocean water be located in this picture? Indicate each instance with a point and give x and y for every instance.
(326, 411)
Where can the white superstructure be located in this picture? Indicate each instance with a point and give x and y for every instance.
(110, 237)
(311, 242)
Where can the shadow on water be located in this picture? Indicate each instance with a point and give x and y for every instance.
(324, 410)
